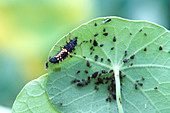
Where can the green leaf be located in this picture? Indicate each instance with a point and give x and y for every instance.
(33, 98)
(131, 36)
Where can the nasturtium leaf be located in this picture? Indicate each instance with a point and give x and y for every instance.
(141, 40)
(33, 98)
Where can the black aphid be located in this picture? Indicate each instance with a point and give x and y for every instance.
(88, 78)
(145, 49)
(91, 53)
(132, 57)
(140, 30)
(160, 48)
(91, 47)
(86, 71)
(95, 34)
(101, 59)
(95, 24)
(114, 39)
(86, 41)
(71, 56)
(110, 71)
(143, 78)
(101, 45)
(61, 103)
(96, 57)
(83, 80)
(88, 81)
(126, 60)
(100, 80)
(75, 53)
(137, 80)
(84, 57)
(78, 80)
(168, 51)
(145, 34)
(114, 96)
(78, 71)
(88, 64)
(156, 88)
(95, 43)
(104, 30)
(106, 82)
(94, 75)
(80, 84)
(105, 34)
(100, 75)
(74, 81)
(108, 60)
(90, 40)
(130, 33)
(125, 53)
(46, 65)
(104, 71)
(112, 48)
(131, 64)
(96, 88)
(105, 21)
(140, 84)
(124, 75)
(136, 86)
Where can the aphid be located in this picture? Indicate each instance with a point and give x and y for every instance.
(80, 84)
(132, 57)
(168, 51)
(105, 21)
(156, 88)
(130, 33)
(88, 78)
(145, 49)
(86, 71)
(145, 34)
(84, 57)
(125, 53)
(137, 80)
(106, 82)
(101, 45)
(143, 78)
(74, 81)
(78, 80)
(105, 34)
(160, 48)
(100, 75)
(86, 41)
(49, 57)
(78, 71)
(75, 53)
(46, 64)
(88, 81)
(61, 103)
(108, 60)
(91, 53)
(131, 64)
(91, 47)
(95, 34)
(104, 71)
(96, 88)
(114, 96)
(71, 56)
(83, 80)
(90, 40)
(95, 43)
(96, 57)
(140, 84)
(112, 48)
(104, 30)
(94, 75)
(88, 64)
(140, 30)
(136, 87)
(124, 75)
(95, 24)
(126, 60)
(101, 59)
(110, 71)
(114, 39)
(65, 51)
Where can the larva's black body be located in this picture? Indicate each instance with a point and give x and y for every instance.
(64, 52)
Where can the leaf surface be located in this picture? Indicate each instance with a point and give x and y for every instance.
(131, 36)
(33, 98)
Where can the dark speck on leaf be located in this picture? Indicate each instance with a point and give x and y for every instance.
(46, 64)
(114, 39)
(112, 48)
(91, 53)
(140, 84)
(96, 88)
(95, 43)
(126, 60)
(61, 103)
(91, 47)
(130, 33)
(104, 30)
(124, 75)
(168, 51)
(110, 71)
(101, 45)
(131, 64)
(71, 56)
(86, 71)
(75, 53)
(140, 30)
(145, 49)
(108, 60)
(104, 71)
(94, 75)
(105, 34)
(156, 88)
(96, 57)
(160, 48)
(143, 78)
(145, 34)
(95, 34)
(136, 87)
(78, 71)
(132, 57)
(84, 57)
(95, 24)
(88, 64)
(125, 53)
(90, 40)
(101, 59)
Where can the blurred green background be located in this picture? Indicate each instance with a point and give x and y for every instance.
(30, 28)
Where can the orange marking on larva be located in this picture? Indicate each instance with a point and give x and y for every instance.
(61, 52)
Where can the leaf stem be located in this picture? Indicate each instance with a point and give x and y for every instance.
(118, 94)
